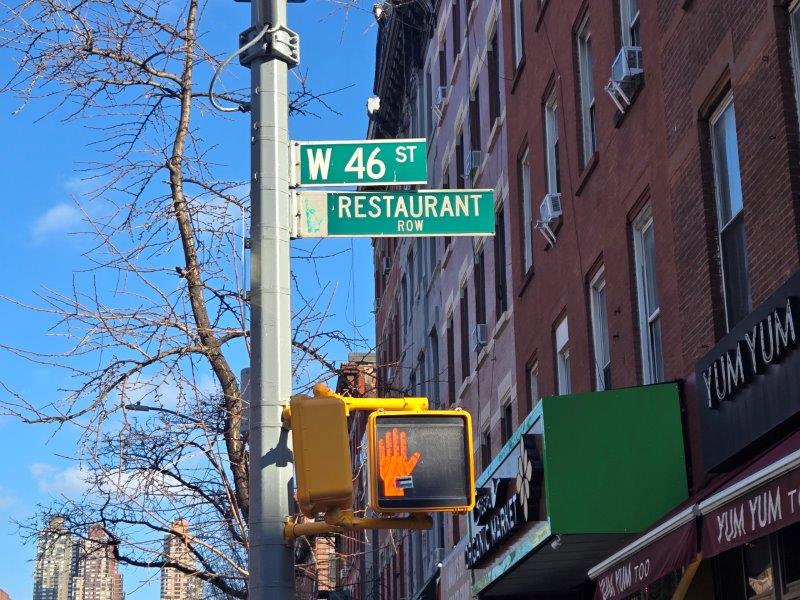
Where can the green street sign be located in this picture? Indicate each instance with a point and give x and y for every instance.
(394, 214)
(362, 163)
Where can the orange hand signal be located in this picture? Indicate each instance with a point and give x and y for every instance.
(393, 461)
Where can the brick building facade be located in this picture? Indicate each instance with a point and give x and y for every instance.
(651, 223)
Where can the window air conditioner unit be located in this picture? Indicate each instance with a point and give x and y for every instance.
(550, 208)
(479, 336)
(627, 64)
(471, 162)
(387, 265)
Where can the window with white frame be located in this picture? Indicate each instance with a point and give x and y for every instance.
(587, 90)
(630, 23)
(602, 355)
(533, 385)
(524, 170)
(730, 217)
(519, 33)
(551, 145)
(647, 292)
(562, 358)
(794, 41)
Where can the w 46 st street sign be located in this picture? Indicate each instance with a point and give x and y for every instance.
(360, 162)
(383, 213)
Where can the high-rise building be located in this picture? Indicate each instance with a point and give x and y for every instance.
(55, 562)
(175, 583)
(96, 576)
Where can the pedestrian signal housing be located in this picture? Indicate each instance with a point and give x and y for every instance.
(322, 465)
(421, 461)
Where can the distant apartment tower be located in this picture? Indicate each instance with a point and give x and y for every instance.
(96, 575)
(175, 583)
(55, 562)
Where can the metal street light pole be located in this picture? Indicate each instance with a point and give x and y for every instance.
(271, 560)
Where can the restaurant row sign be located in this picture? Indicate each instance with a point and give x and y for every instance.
(376, 214)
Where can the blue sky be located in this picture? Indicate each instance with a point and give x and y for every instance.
(38, 164)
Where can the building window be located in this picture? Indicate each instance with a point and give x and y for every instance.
(404, 294)
(519, 35)
(434, 376)
(794, 40)
(456, 28)
(602, 356)
(524, 170)
(429, 103)
(563, 378)
(587, 91)
(464, 333)
(451, 362)
(460, 175)
(443, 63)
(630, 23)
(486, 448)
(507, 425)
(494, 78)
(647, 292)
(533, 386)
(551, 145)
(475, 120)
(501, 295)
(455, 526)
(480, 288)
(730, 217)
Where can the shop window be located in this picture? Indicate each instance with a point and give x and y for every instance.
(587, 90)
(730, 217)
(563, 375)
(790, 560)
(647, 292)
(524, 173)
(602, 356)
(758, 569)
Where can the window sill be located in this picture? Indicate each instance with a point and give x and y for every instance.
(518, 74)
(555, 227)
(462, 389)
(471, 15)
(494, 134)
(542, 8)
(456, 67)
(447, 252)
(525, 281)
(504, 320)
(483, 353)
(587, 171)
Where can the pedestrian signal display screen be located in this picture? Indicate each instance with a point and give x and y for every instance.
(421, 461)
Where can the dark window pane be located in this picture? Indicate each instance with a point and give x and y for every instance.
(729, 575)
(734, 264)
(758, 569)
(790, 556)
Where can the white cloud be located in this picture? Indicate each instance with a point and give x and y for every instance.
(71, 482)
(58, 219)
(7, 498)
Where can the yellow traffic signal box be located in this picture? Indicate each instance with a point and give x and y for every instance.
(322, 464)
(421, 461)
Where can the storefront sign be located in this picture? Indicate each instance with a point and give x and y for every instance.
(505, 505)
(672, 551)
(746, 386)
(767, 342)
(757, 513)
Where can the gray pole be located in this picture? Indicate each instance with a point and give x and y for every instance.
(271, 560)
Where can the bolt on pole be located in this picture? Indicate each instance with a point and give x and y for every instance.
(271, 561)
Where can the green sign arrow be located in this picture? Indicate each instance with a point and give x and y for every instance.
(395, 214)
(362, 163)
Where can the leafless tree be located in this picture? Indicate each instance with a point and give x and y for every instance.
(159, 314)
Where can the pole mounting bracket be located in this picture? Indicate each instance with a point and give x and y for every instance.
(278, 42)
